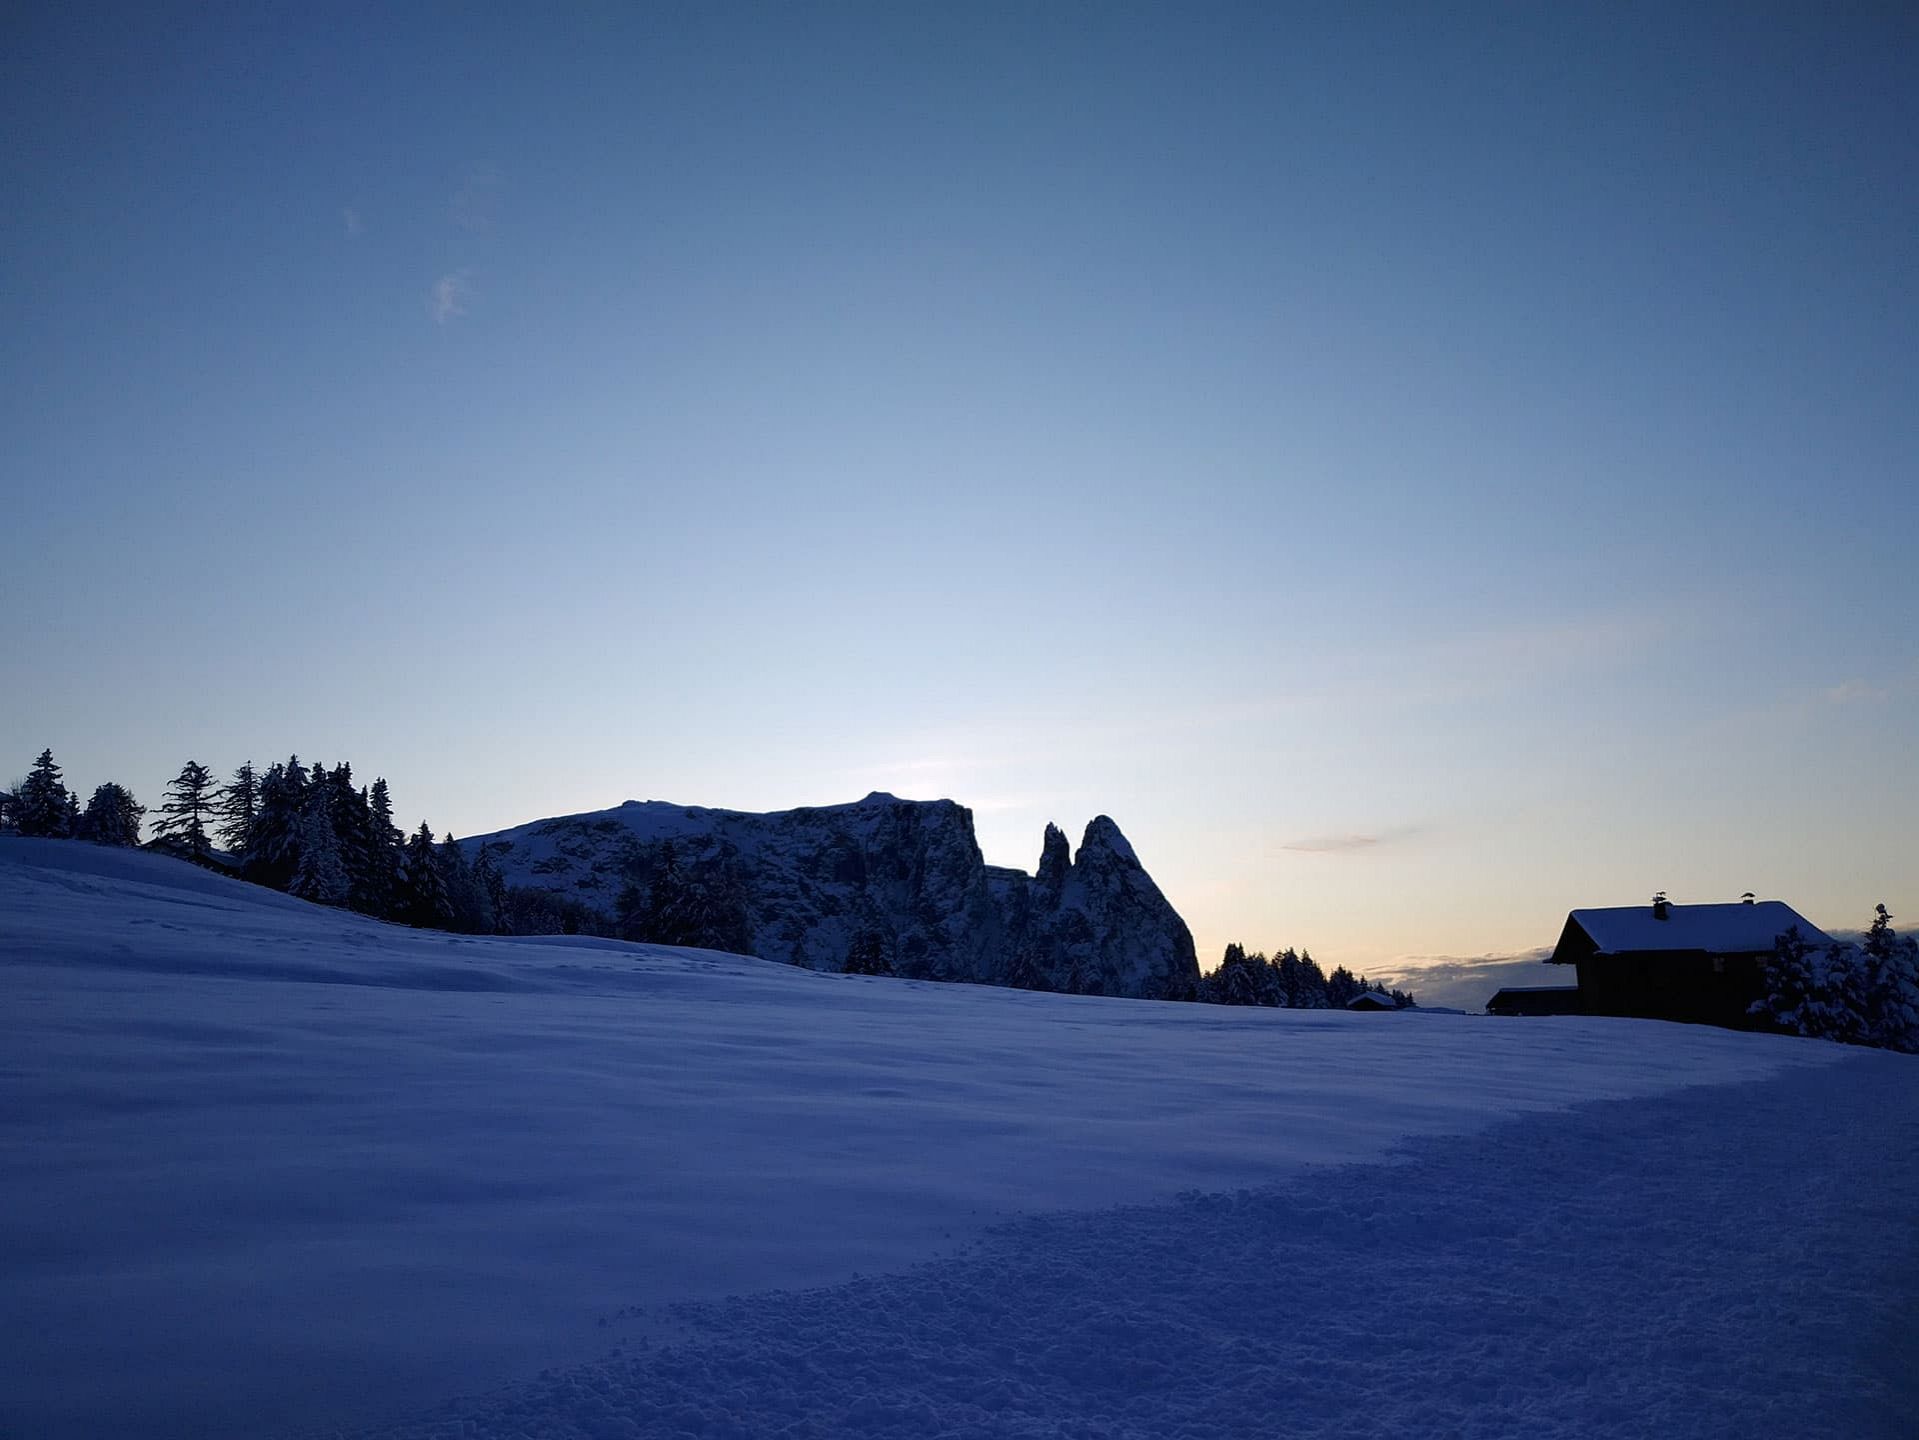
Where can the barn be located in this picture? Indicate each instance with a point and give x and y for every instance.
(1703, 964)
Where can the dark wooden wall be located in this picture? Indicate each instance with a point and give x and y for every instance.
(1687, 986)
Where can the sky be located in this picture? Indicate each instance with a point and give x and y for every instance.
(1418, 472)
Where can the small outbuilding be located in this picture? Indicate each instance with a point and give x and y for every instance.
(1535, 1000)
(1703, 964)
(1372, 1000)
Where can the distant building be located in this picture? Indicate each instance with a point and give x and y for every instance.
(1535, 1000)
(1372, 1000)
(1703, 964)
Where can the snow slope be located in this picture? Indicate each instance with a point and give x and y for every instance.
(266, 1167)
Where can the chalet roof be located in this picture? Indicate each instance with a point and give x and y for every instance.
(1372, 1000)
(1736, 929)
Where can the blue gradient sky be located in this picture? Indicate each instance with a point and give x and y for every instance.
(1417, 472)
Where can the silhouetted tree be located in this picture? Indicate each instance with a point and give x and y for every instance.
(492, 885)
(424, 888)
(239, 801)
(112, 816)
(382, 879)
(319, 874)
(273, 846)
(1891, 978)
(472, 912)
(188, 807)
(42, 805)
(866, 955)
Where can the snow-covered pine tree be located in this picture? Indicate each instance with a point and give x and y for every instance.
(866, 955)
(471, 911)
(699, 902)
(273, 848)
(319, 874)
(1890, 965)
(426, 903)
(112, 816)
(384, 842)
(353, 830)
(188, 807)
(486, 875)
(238, 802)
(42, 805)
(1814, 990)
(1311, 989)
(1026, 970)
(1286, 967)
(1237, 982)
(1343, 987)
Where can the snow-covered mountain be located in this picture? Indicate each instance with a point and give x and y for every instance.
(904, 876)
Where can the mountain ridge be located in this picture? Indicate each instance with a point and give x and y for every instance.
(880, 880)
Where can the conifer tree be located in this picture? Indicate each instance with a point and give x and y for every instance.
(699, 903)
(1814, 990)
(427, 904)
(1236, 984)
(43, 806)
(1891, 978)
(1312, 983)
(382, 880)
(492, 885)
(319, 874)
(273, 846)
(1027, 969)
(471, 911)
(112, 816)
(1286, 968)
(239, 801)
(866, 955)
(189, 805)
(353, 833)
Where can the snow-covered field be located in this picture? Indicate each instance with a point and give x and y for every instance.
(266, 1168)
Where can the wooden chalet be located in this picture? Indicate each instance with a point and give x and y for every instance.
(1703, 964)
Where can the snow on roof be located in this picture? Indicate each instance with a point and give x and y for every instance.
(1715, 929)
(1372, 1000)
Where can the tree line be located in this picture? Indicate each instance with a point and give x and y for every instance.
(306, 830)
(1288, 980)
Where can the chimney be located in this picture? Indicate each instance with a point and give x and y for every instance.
(1660, 907)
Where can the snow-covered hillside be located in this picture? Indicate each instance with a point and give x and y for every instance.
(267, 1168)
(904, 878)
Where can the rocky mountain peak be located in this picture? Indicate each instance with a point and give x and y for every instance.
(1055, 860)
(1103, 842)
(901, 881)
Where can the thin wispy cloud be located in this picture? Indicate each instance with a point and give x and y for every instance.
(1853, 692)
(1332, 844)
(450, 296)
(1351, 844)
(354, 222)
